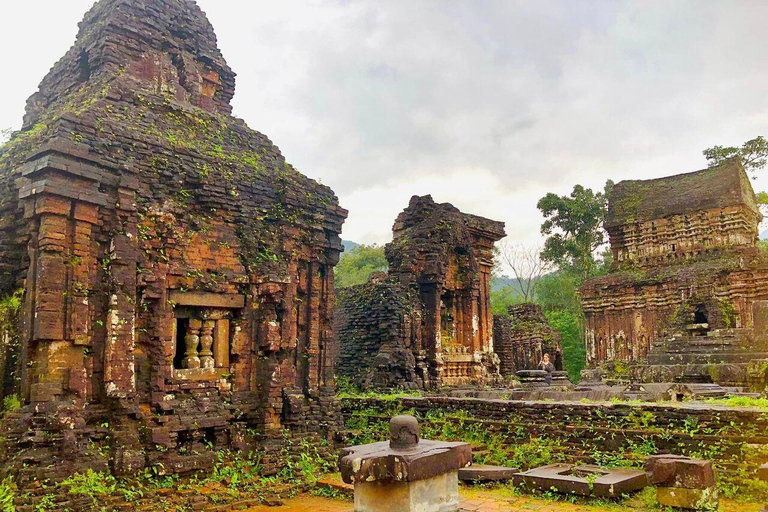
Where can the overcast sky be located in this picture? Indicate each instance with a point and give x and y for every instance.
(484, 104)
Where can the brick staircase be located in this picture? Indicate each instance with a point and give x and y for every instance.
(719, 356)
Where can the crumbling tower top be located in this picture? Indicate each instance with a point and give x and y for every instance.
(167, 45)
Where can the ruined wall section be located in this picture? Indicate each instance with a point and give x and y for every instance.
(677, 218)
(626, 311)
(447, 256)
(686, 267)
(177, 273)
(524, 337)
(378, 325)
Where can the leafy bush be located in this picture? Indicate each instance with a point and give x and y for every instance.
(11, 403)
(7, 494)
(91, 484)
(358, 264)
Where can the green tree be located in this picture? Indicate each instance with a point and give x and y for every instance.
(569, 325)
(753, 154)
(357, 265)
(574, 227)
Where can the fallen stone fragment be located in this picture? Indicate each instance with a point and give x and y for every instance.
(483, 473)
(586, 480)
(678, 471)
(695, 499)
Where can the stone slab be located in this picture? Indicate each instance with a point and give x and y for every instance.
(695, 499)
(586, 480)
(668, 470)
(483, 473)
(378, 462)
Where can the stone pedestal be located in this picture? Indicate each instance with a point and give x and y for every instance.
(532, 378)
(437, 494)
(405, 474)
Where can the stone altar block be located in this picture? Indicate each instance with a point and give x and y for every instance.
(405, 474)
(683, 482)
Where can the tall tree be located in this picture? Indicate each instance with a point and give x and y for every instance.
(574, 227)
(527, 267)
(356, 266)
(753, 154)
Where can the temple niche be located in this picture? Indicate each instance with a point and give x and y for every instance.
(683, 299)
(522, 337)
(174, 273)
(435, 314)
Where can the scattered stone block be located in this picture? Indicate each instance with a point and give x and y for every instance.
(478, 473)
(679, 471)
(585, 480)
(679, 497)
(683, 482)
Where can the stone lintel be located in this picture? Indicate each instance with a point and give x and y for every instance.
(208, 300)
(377, 462)
(200, 374)
(67, 165)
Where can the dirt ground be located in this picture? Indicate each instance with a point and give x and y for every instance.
(495, 500)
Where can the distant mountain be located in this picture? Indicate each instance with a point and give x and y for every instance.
(349, 245)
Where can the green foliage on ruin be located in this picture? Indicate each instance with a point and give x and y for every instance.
(625, 433)
(753, 154)
(7, 495)
(356, 266)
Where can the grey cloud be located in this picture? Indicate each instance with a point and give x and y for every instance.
(371, 96)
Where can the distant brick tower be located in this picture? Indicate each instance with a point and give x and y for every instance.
(173, 274)
(687, 279)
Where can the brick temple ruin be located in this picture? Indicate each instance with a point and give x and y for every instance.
(685, 299)
(428, 323)
(174, 273)
(522, 337)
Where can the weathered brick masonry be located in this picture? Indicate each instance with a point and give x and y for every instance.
(522, 337)
(176, 274)
(687, 275)
(441, 261)
(735, 438)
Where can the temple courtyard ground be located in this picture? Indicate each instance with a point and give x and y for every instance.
(503, 499)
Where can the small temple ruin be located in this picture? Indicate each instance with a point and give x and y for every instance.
(173, 273)
(428, 323)
(685, 299)
(522, 337)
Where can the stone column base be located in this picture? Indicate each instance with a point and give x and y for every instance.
(437, 494)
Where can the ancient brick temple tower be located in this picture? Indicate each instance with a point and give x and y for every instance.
(430, 322)
(175, 273)
(685, 293)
